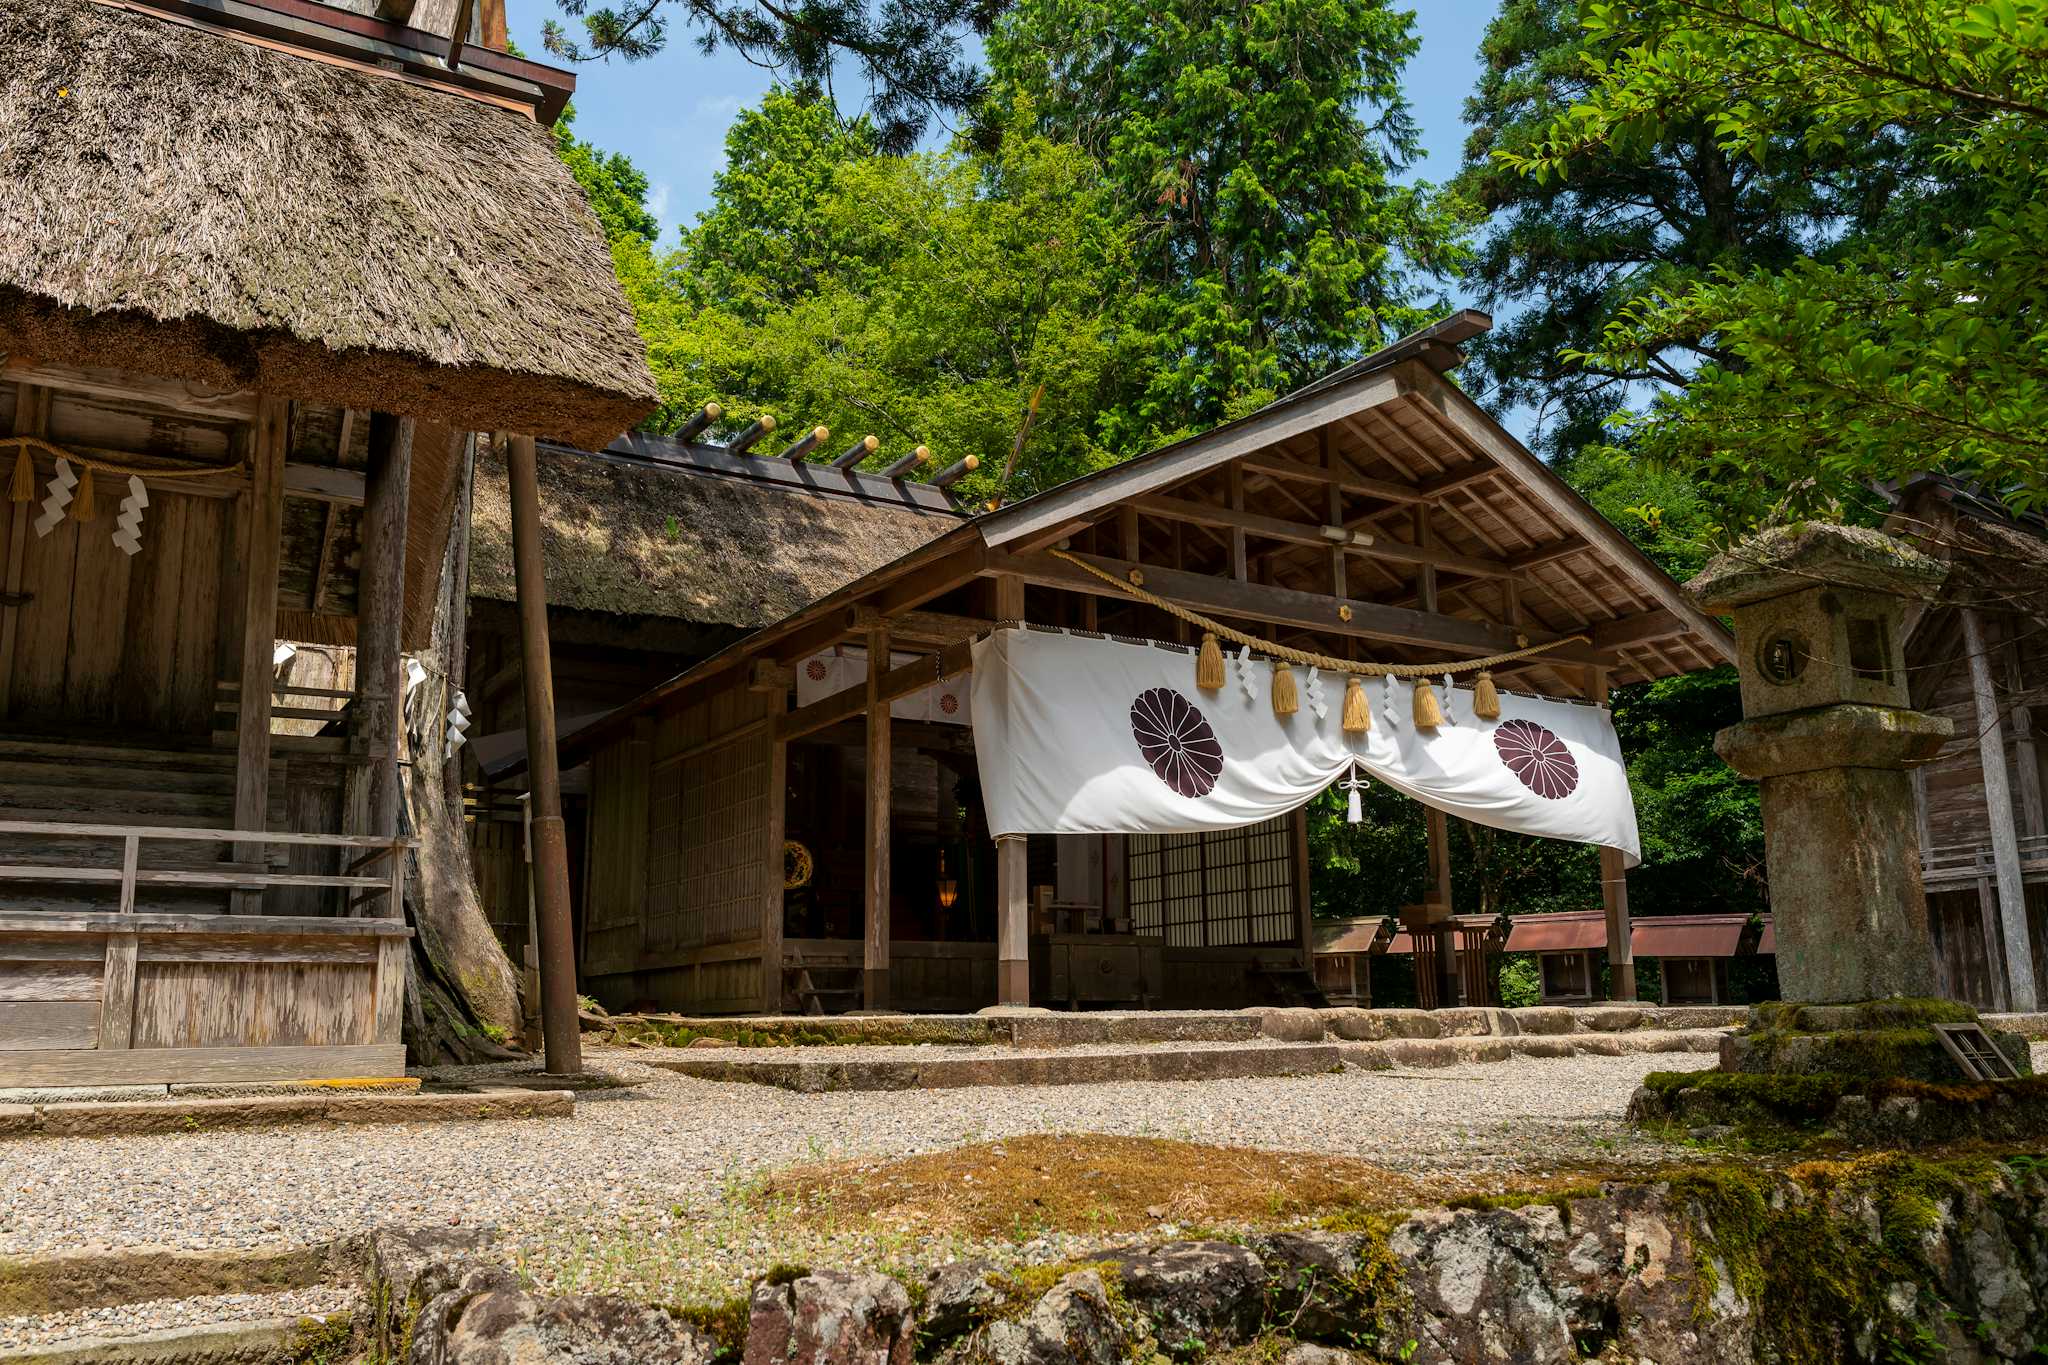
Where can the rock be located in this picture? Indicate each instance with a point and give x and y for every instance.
(957, 1299)
(711, 1042)
(1196, 1293)
(406, 1268)
(1073, 1324)
(1544, 1019)
(1318, 1284)
(507, 1326)
(1308, 1353)
(831, 1317)
(1292, 1025)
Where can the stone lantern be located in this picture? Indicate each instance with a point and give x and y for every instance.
(1829, 733)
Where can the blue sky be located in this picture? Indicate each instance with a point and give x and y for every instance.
(670, 113)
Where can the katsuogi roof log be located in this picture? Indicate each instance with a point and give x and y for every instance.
(187, 204)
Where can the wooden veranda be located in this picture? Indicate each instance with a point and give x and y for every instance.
(221, 436)
(749, 851)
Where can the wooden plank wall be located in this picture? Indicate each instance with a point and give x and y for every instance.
(678, 850)
(1955, 780)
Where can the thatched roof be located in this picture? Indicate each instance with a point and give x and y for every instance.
(184, 203)
(638, 540)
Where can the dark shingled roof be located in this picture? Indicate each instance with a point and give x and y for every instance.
(687, 544)
(187, 204)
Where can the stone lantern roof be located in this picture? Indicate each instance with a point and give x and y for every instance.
(1788, 559)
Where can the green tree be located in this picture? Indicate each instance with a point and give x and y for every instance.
(1254, 147)
(1915, 343)
(922, 298)
(615, 187)
(1567, 253)
(908, 54)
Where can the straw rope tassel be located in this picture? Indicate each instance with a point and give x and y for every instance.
(22, 487)
(1429, 714)
(82, 507)
(1357, 710)
(1209, 664)
(1485, 697)
(1285, 702)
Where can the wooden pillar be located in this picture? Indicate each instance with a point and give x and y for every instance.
(263, 527)
(1621, 953)
(560, 1030)
(2005, 852)
(380, 615)
(31, 418)
(1013, 872)
(458, 613)
(1333, 513)
(777, 796)
(875, 953)
(1304, 907)
(1439, 894)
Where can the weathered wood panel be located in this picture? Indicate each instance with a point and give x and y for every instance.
(48, 1024)
(616, 864)
(49, 981)
(253, 1004)
(70, 1066)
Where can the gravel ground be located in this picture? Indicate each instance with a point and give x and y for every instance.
(131, 1319)
(676, 1142)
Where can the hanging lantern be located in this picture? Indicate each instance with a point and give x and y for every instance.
(949, 890)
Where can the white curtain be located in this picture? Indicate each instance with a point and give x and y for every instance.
(946, 702)
(1077, 734)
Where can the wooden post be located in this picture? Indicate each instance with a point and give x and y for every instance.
(1013, 873)
(1621, 953)
(1304, 908)
(117, 992)
(380, 615)
(262, 541)
(560, 1030)
(1439, 825)
(458, 613)
(31, 418)
(1333, 513)
(2005, 852)
(875, 953)
(771, 884)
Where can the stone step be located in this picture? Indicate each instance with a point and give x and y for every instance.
(250, 1341)
(202, 1113)
(815, 1070)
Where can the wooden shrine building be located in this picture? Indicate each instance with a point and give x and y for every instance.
(1979, 655)
(660, 552)
(797, 821)
(263, 268)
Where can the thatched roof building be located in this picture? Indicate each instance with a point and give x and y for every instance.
(665, 529)
(186, 202)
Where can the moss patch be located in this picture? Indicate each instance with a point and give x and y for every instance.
(1089, 1183)
(725, 1323)
(1785, 1113)
(1798, 1247)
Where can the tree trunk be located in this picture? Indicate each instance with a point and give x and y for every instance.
(462, 994)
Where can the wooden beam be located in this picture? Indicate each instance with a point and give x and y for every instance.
(263, 526)
(1634, 630)
(318, 483)
(148, 390)
(1292, 607)
(1235, 477)
(1333, 514)
(879, 782)
(2005, 855)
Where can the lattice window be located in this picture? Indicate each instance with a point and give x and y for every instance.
(1225, 888)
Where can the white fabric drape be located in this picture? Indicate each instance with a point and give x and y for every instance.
(946, 702)
(1078, 734)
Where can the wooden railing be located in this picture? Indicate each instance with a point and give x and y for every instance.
(388, 885)
(1950, 864)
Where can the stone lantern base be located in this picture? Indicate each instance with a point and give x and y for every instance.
(1876, 1040)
